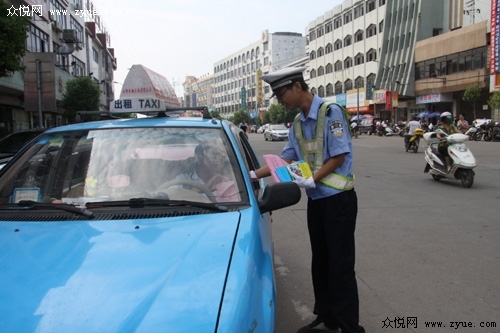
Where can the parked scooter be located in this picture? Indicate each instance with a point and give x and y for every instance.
(474, 134)
(384, 130)
(462, 159)
(414, 140)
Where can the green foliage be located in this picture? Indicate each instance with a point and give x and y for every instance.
(278, 114)
(238, 116)
(471, 94)
(215, 114)
(494, 100)
(12, 40)
(81, 94)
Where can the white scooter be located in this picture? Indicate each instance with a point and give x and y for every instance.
(462, 158)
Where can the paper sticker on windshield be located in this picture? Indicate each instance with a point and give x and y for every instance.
(336, 128)
(31, 194)
(119, 181)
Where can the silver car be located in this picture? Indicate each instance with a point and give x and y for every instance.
(276, 132)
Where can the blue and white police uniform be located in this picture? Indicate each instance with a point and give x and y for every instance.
(332, 207)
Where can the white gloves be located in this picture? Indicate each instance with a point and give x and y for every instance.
(253, 176)
(303, 182)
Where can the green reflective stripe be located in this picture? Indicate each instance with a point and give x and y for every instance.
(315, 147)
(338, 182)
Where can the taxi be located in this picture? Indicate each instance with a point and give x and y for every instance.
(143, 224)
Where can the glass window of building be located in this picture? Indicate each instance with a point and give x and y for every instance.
(37, 40)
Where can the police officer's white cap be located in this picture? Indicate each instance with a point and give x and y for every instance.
(283, 77)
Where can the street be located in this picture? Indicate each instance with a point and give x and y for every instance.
(428, 252)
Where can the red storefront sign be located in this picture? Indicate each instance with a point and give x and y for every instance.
(388, 100)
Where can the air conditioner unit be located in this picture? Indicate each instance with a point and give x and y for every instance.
(56, 26)
(69, 36)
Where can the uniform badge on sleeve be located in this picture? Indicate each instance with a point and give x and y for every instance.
(336, 128)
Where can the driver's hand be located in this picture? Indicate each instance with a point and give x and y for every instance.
(217, 179)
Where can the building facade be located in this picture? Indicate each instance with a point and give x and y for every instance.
(365, 54)
(60, 46)
(237, 78)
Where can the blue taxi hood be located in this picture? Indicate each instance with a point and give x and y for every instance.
(116, 276)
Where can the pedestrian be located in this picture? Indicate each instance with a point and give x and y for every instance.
(320, 136)
(462, 124)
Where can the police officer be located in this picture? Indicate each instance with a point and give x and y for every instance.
(320, 135)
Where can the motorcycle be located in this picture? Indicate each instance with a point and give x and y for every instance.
(474, 133)
(495, 134)
(384, 130)
(463, 162)
(414, 140)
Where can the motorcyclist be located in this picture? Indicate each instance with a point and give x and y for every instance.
(446, 125)
(411, 126)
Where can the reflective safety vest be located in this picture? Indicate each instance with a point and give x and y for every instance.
(315, 147)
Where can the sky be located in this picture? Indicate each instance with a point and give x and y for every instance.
(177, 38)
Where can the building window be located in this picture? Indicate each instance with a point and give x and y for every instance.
(359, 59)
(328, 48)
(348, 40)
(348, 17)
(370, 79)
(371, 55)
(337, 45)
(338, 66)
(312, 73)
(381, 2)
(359, 11)
(329, 69)
(359, 82)
(370, 5)
(73, 24)
(321, 91)
(328, 27)
(348, 85)
(381, 26)
(329, 89)
(312, 55)
(371, 30)
(59, 19)
(78, 66)
(312, 35)
(337, 23)
(321, 52)
(95, 55)
(338, 88)
(321, 71)
(319, 32)
(358, 37)
(348, 62)
(37, 40)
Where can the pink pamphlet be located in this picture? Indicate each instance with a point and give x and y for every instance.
(274, 162)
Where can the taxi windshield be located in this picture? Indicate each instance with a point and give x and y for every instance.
(78, 167)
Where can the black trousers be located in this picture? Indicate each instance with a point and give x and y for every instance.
(331, 222)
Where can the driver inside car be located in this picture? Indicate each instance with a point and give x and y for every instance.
(210, 168)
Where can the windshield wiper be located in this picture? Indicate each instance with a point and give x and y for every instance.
(143, 202)
(62, 206)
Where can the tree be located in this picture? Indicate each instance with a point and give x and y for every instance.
(81, 94)
(471, 94)
(12, 40)
(278, 114)
(215, 114)
(494, 100)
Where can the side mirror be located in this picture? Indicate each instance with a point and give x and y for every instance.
(279, 195)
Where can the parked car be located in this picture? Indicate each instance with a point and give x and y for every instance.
(276, 132)
(12, 143)
(108, 225)
(367, 126)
